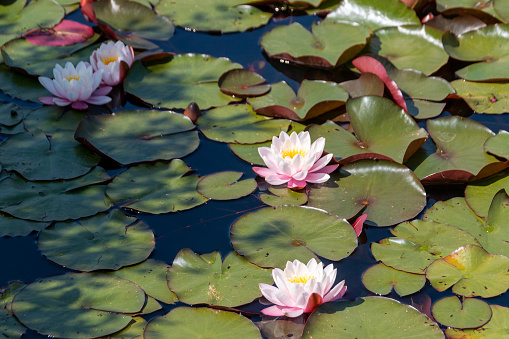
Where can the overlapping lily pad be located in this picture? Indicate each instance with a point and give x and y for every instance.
(381, 279)
(348, 194)
(9, 326)
(156, 188)
(480, 194)
(272, 236)
(106, 241)
(283, 196)
(14, 227)
(53, 118)
(313, 99)
(471, 271)
(18, 17)
(369, 317)
(418, 244)
(225, 186)
(10, 116)
(206, 279)
(20, 86)
(178, 80)
(471, 313)
(67, 32)
(243, 82)
(157, 136)
(489, 98)
(498, 144)
(496, 328)
(329, 44)
(78, 305)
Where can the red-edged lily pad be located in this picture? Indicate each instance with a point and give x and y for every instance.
(67, 32)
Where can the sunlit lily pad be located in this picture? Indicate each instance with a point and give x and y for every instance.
(239, 124)
(382, 130)
(290, 232)
(14, 227)
(350, 193)
(498, 144)
(106, 241)
(157, 136)
(381, 279)
(156, 188)
(496, 328)
(178, 80)
(329, 44)
(54, 200)
(480, 194)
(205, 279)
(188, 322)
(67, 32)
(313, 99)
(249, 153)
(36, 157)
(243, 82)
(281, 327)
(10, 327)
(225, 186)
(283, 196)
(5, 38)
(8, 292)
(53, 118)
(20, 86)
(18, 17)
(471, 313)
(472, 271)
(78, 305)
(369, 317)
(418, 244)
(490, 98)
(134, 330)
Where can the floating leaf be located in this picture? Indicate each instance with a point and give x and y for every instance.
(5, 38)
(451, 312)
(283, 196)
(11, 115)
(13, 227)
(249, 153)
(489, 98)
(456, 25)
(350, 194)
(135, 329)
(205, 279)
(472, 271)
(18, 18)
(8, 292)
(156, 188)
(10, 327)
(157, 136)
(498, 144)
(496, 328)
(20, 86)
(225, 186)
(479, 195)
(103, 242)
(242, 82)
(366, 84)
(53, 118)
(381, 279)
(67, 32)
(272, 236)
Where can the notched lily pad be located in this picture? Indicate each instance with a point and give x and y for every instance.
(381, 279)
(53, 118)
(489, 98)
(471, 313)
(225, 186)
(243, 82)
(497, 327)
(498, 144)
(283, 196)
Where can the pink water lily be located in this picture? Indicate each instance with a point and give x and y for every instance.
(114, 59)
(294, 161)
(301, 288)
(75, 86)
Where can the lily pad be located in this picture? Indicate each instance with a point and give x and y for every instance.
(10, 327)
(369, 317)
(243, 82)
(8, 292)
(53, 118)
(134, 330)
(18, 17)
(283, 196)
(366, 84)
(103, 242)
(188, 322)
(250, 153)
(472, 271)
(382, 130)
(480, 194)
(496, 328)
(489, 98)
(5, 38)
(78, 305)
(418, 244)
(451, 312)
(67, 32)
(11, 115)
(205, 279)
(348, 194)
(313, 99)
(14, 227)
(381, 279)
(272, 236)
(20, 86)
(502, 9)
(36, 157)
(225, 186)
(498, 144)
(329, 44)
(157, 136)
(156, 188)
(178, 80)
(239, 124)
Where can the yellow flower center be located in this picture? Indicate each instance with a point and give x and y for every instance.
(291, 152)
(300, 279)
(72, 77)
(107, 60)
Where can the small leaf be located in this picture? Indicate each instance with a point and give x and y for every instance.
(471, 313)
(283, 196)
(225, 186)
(381, 279)
(242, 82)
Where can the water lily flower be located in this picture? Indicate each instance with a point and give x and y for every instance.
(114, 58)
(75, 86)
(301, 288)
(294, 160)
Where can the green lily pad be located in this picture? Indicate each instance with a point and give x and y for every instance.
(348, 194)
(283, 196)
(272, 236)
(418, 244)
(249, 153)
(313, 99)
(374, 13)
(36, 157)
(414, 47)
(11, 115)
(496, 328)
(366, 84)
(180, 79)
(329, 44)
(53, 118)
(479, 194)
(460, 155)
(189, 322)
(14, 227)
(54, 200)
(502, 9)
(225, 186)
(18, 18)
(205, 279)
(20, 86)
(134, 330)
(103, 242)
(369, 317)
(498, 144)
(382, 130)
(489, 98)
(157, 136)
(151, 306)
(457, 24)
(156, 188)
(78, 305)
(239, 124)
(10, 327)
(5, 38)
(8, 292)
(243, 82)
(422, 109)
(381, 279)
(451, 312)
(472, 271)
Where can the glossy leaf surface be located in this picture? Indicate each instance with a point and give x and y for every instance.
(470, 313)
(225, 186)
(381, 279)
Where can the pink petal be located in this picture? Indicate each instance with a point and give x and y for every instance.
(358, 223)
(321, 163)
(317, 178)
(296, 184)
(337, 292)
(79, 105)
(102, 91)
(274, 311)
(47, 100)
(277, 179)
(314, 301)
(263, 171)
(327, 169)
(61, 102)
(98, 100)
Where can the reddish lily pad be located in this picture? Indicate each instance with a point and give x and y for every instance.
(381, 279)
(496, 328)
(471, 313)
(225, 186)
(456, 25)
(243, 82)
(67, 32)
(489, 98)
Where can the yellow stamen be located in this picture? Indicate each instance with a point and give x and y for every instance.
(107, 60)
(72, 77)
(292, 152)
(300, 279)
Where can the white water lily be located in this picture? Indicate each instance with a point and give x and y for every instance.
(301, 288)
(75, 86)
(114, 59)
(294, 160)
